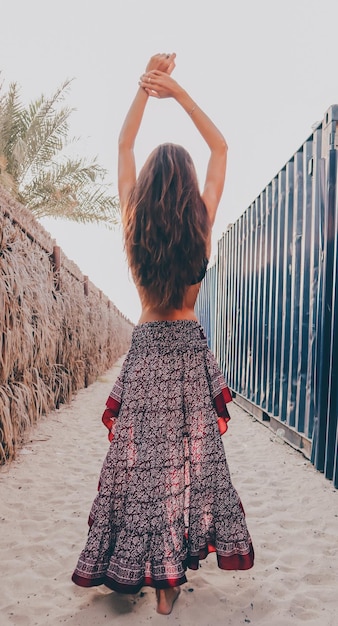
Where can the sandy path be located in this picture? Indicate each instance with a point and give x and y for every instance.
(292, 514)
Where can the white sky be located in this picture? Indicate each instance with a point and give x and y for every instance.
(264, 71)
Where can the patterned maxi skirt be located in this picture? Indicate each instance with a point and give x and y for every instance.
(165, 497)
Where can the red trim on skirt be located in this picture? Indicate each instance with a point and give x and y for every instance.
(233, 562)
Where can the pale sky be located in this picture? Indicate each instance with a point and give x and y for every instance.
(264, 71)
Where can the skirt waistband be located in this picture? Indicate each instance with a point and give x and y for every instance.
(169, 334)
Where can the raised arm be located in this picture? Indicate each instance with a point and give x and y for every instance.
(130, 128)
(161, 85)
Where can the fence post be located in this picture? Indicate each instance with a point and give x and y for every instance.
(56, 265)
(86, 285)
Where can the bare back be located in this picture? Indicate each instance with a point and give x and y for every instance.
(153, 314)
(187, 312)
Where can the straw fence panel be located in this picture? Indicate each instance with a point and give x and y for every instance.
(54, 339)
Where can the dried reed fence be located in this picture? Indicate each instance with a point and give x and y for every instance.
(58, 332)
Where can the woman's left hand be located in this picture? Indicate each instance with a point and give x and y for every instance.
(159, 84)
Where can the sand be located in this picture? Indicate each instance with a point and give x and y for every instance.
(46, 494)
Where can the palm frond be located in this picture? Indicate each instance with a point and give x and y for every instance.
(10, 125)
(72, 173)
(90, 206)
(46, 135)
(33, 165)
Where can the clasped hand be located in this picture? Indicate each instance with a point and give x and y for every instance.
(156, 80)
(162, 62)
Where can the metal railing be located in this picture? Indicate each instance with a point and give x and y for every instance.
(269, 305)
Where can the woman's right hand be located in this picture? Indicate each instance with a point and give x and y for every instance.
(163, 62)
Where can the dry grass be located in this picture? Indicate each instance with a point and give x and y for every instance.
(52, 343)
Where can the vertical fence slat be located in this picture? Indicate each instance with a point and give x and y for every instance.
(239, 342)
(266, 291)
(252, 300)
(303, 342)
(314, 288)
(295, 286)
(244, 307)
(230, 308)
(286, 295)
(259, 301)
(278, 313)
(272, 295)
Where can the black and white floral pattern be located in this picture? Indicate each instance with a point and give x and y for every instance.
(166, 498)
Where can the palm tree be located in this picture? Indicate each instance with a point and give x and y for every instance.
(34, 166)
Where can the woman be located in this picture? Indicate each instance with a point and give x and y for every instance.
(165, 496)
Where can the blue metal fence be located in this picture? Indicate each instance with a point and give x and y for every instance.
(269, 305)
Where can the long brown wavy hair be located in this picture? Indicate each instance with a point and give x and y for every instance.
(166, 226)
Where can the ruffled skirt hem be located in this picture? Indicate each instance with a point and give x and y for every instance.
(230, 562)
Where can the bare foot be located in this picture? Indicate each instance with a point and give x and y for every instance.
(166, 599)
